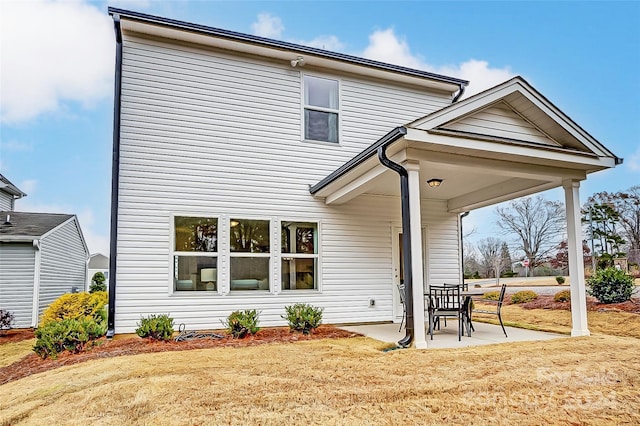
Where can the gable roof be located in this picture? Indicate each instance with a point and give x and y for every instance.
(8, 187)
(29, 226)
(513, 112)
(251, 44)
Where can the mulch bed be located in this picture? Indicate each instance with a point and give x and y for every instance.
(546, 302)
(32, 363)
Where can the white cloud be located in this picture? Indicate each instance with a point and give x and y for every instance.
(268, 25)
(634, 161)
(386, 46)
(52, 52)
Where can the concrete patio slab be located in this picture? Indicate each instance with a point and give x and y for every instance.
(447, 337)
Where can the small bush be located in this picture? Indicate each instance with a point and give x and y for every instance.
(492, 295)
(66, 335)
(98, 283)
(6, 321)
(611, 285)
(156, 327)
(241, 323)
(562, 296)
(302, 317)
(77, 306)
(560, 280)
(524, 296)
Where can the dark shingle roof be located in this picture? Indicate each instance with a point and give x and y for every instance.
(7, 186)
(25, 226)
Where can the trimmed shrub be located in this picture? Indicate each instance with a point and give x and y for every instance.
(524, 296)
(98, 283)
(492, 295)
(560, 280)
(66, 335)
(611, 285)
(562, 296)
(302, 317)
(77, 306)
(156, 327)
(241, 323)
(6, 321)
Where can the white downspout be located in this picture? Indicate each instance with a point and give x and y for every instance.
(36, 285)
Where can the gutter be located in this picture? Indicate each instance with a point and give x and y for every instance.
(387, 139)
(115, 179)
(406, 233)
(460, 93)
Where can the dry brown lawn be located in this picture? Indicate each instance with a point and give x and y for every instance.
(572, 381)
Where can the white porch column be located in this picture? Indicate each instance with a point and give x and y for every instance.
(576, 261)
(419, 335)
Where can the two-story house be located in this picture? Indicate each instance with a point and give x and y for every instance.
(251, 173)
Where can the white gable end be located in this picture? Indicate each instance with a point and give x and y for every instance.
(499, 120)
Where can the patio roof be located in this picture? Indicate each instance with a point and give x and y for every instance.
(506, 142)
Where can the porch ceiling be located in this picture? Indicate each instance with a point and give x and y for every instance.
(490, 148)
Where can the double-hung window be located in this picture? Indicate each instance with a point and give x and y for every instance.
(250, 254)
(195, 254)
(299, 255)
(321, 109)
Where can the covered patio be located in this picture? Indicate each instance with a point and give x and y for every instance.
(506, 142)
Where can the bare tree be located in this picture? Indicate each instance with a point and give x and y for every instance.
(490, 250)
(538, 223)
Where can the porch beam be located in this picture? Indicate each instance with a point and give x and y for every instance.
(579, 326)
(503, 191)
(496, 167)
(419, 334)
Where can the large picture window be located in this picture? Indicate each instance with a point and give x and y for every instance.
(195, 254)
(299, 255)
(250, 255)
(321, 109)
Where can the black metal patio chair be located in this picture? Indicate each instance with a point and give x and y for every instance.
(404, 306)
(444, 301)
(498, 307)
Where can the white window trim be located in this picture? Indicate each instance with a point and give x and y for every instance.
(304, 106)
(317, 256)
(173, 252)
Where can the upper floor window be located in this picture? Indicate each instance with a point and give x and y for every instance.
(321, 109)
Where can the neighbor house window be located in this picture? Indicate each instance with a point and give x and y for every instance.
(195, 254)
(299, 255)
(250, 255)
(321, 109)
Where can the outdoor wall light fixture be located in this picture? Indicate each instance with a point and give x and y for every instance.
(299, 61)
(434, 183)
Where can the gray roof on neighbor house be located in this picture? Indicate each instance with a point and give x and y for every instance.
(7, 186)
(28, 226)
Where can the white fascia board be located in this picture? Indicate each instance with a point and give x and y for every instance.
(18, 238)
(518, 152)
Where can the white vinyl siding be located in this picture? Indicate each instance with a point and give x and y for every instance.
(205, 133)
(17, 266)
(501, 121)
(6, 203)
(63, 263)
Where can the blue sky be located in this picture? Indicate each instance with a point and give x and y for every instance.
(57, 61)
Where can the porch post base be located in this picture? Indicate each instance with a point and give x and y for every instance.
(421, 345)
(579, 333)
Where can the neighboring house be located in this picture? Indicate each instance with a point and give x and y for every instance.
(9, 193)
(42, 256)
(248, 175)
(98, 262)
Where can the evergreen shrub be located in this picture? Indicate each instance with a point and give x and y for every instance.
(303, 317)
